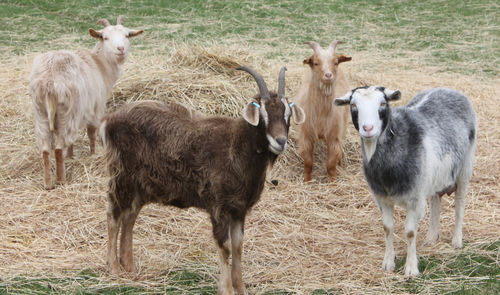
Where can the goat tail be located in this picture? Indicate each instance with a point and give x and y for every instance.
(112, 159)
(51, 107)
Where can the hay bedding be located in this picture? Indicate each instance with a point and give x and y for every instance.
(299, 237)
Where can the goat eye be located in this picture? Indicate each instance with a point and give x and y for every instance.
(105, 38)
(315, 63)
(383, 104)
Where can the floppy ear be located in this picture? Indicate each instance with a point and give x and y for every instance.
(298, 114)
(346, 99)
(133, 33)
(251, 113)
(95, 34)
(308, 61)
(344, 58)
(392, 95)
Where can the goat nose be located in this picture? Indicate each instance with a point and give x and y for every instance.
(328, 75)
(281, 141)
(368, 127)
(120, 48)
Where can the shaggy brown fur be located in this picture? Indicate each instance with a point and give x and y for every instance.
(167, 154)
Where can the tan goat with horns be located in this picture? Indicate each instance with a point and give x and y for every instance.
(322, 83)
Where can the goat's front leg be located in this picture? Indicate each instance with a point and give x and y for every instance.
(307, 154)
(334, 146)
(415, 212)
(387, 211)
(91, 132)
(237, 244)
(220, 229)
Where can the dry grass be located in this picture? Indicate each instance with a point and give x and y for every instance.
(299, 237)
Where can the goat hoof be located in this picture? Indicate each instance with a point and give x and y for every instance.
(49, 187)
(411, 272)
(388, 266)
(457, 244)
(431, 240)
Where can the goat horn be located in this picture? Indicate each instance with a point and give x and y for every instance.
(315, 46)
(119, 20)
(281, 83)
(104, 21)
(264, 93)
(334, 44)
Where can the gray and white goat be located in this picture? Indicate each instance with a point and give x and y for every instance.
(424, 149)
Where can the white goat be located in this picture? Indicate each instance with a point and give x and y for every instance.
(69, 91)
(425, 149)
(323, 82)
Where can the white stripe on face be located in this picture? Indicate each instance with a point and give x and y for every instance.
(288, 110)
(368, 101)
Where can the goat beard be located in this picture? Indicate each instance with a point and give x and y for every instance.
(327, 89)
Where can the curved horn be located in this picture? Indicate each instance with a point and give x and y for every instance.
(119, 20)
(264, 93)
(281, 83)
(315, 46)
(104, 21)
(334, 44)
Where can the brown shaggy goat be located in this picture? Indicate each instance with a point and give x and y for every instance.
(166, 154)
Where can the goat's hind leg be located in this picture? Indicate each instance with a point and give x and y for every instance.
(114, 220)
(91, 132)
(460, 193)
(46, 170)
(435, 211)
(126, 239)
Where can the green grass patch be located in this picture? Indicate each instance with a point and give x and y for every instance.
(475, 271)
(91, 282)
(461, 36)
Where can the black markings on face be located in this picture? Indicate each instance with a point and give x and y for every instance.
(384, 113)
(472, 134)
(354, 116)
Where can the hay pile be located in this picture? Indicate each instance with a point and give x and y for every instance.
(299, 237)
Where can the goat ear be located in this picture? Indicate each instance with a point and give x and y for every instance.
(346, 99)
(251, 113)
(298, 114)
(133, 33)
(392, 94)
(344, 58)
(308, 61)
(95, 34)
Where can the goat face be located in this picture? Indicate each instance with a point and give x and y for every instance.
(114, 40)
(370, 110)
(273, 111)
(324, 62)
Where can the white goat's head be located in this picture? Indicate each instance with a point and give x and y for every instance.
(113, 40)
(272, 111)
(370, 110)
(324, 62)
